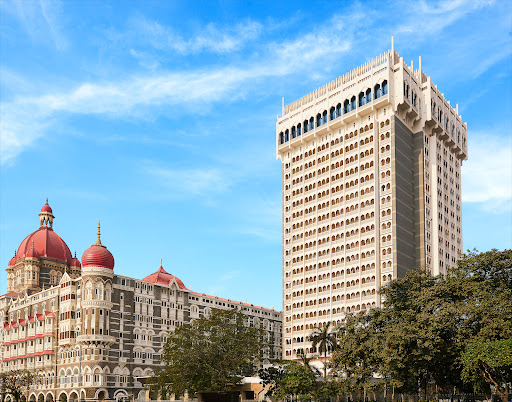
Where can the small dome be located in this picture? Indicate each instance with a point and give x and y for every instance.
(97, 255)
(12, 261)
(46, 208)
(75, 262)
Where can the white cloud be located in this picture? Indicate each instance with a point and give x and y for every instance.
(27, 118)
(186, 183)
(487, 174)
(40, 19)
(210, 39)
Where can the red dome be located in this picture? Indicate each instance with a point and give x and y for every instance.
(46, 243)
(46, 208)
(12, 261)
(162, 277)
(98, 256)
(75, 262)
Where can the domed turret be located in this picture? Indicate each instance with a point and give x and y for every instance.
(75, 262)
(12, 261)
(97, 255)
(46, 215)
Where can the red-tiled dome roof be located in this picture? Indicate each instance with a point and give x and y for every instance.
(162, 277)
(12, 261)
(98, 256)
(46, 208)
(75, 262)
(47, 244)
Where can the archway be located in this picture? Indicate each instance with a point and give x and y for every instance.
(73, 396)
(49, 397)
(63, 397)
(40, 398)
(101, 394)
(120, 395)
(32, 398)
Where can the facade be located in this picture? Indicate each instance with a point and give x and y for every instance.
(89, 333)
(371, 166)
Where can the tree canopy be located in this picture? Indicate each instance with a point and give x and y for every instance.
(212, 353)
(427, 324)
(15, 383)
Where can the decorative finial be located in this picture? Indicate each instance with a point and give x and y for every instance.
(46, 200)
(161, 266)
(98, 242)
(75, 253)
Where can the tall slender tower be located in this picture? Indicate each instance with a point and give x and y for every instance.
(371, 166)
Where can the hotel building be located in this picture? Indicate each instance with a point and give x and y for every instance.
(88, 333)
(371, 166)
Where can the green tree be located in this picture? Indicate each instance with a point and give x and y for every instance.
(289, 378)
(212, 353)
(325, 339)
(417, 339)
(15, 383)
(491, 362)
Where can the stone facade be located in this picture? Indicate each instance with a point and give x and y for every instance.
(94, 333)
(371, 171)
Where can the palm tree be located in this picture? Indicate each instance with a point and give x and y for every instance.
(323, 338)
(306, 361)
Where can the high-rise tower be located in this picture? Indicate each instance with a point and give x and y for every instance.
(371, 166)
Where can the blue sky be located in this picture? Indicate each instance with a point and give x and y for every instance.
(159, 119)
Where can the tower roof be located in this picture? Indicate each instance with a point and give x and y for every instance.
(162, 277)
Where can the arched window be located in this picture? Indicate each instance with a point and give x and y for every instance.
(332, 113)
(368, 95)
(324, 117)
(286, 136)
(353, 103)
(346, 106)
(377, 91)
(294, 132)
(281, 138)
(298, 130)
(362, 99)
(338, 110)
(318, 120)
(384, 87)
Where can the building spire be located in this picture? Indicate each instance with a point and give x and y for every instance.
(161, 266)
(98, 242)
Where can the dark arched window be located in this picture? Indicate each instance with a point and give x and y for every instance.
(338, 110)
(311, 123)
(346, 106)
(376, 91)
(318, 120)
(324, 117)
(362, 99)
(332, 113)
(353, 103)
(306, 127)
(294, 132)
(298, 130)
(286, 136)
(281, 138)
(384, 87)
(368, 95)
